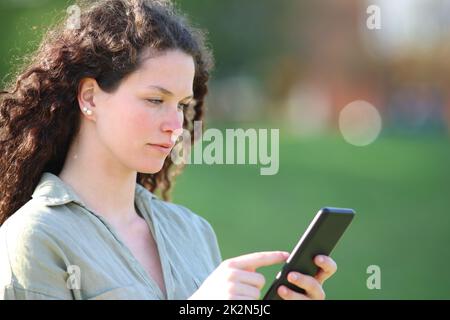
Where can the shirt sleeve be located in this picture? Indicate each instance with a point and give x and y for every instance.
(32, 266)
(10, 292)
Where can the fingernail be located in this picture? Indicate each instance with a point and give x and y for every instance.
(294, 276)
(320, 259)
(283, 290)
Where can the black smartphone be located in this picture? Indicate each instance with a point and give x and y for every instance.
(320, 237)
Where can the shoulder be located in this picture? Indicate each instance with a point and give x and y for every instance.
(36, 220)
(29, 251)
(32, 219)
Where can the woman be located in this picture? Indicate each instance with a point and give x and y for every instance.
(86, 133)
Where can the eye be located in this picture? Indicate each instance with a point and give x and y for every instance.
(181, 106)
(155, 101)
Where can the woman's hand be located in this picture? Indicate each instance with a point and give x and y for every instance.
(312, 285)
(236, 279)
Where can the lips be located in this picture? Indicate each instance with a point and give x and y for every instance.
(164, 145)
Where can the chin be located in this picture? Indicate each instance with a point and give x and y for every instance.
(151, 168)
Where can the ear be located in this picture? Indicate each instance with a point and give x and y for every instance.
(87, 90)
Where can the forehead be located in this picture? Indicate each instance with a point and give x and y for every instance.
(174, 70)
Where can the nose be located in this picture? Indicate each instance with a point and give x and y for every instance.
(173, 121)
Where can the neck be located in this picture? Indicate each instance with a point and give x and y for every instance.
(104, 184)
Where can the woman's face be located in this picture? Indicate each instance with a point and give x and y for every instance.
(146, 111)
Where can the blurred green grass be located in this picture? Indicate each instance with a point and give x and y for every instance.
(399, 186)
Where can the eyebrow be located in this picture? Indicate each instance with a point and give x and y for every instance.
(167, 92)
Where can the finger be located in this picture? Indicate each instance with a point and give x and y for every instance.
(288, 294)
(252, 261)
(254, 279)
(241, 289)
(312, 287)
(327, 266)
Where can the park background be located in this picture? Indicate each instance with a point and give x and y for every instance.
(295, 65)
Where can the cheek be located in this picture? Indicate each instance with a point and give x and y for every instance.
(124, 124)
(125, 128)
(143, 123)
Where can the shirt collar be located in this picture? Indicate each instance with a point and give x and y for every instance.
(53, 191)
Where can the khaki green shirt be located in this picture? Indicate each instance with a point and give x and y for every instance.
(55, 247)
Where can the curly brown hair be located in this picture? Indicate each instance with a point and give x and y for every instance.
(39, 114)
